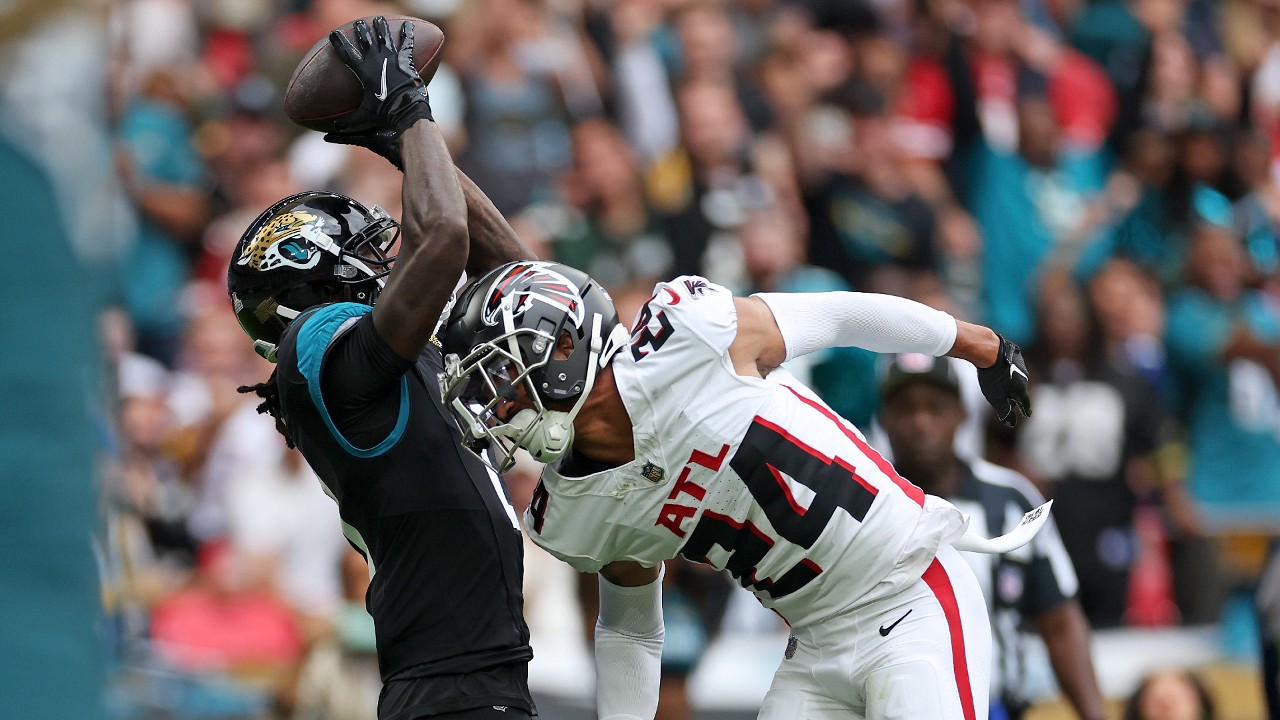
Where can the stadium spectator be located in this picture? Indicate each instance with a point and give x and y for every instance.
(1093, 449)
(870, 225)
(703, 186)
(513, 74)
(709, 52)
(165, 179)
(1177, 171)
(634, 39)
(287, 530)
(1257, 214)
(1170, 695)
(150, 499)
(611, 230)
(1036, 205)
(216, 432)
(221, 623)
(1224, 348)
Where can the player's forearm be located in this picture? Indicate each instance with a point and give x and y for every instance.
(1066, 636)
(433, 244)
(432, 195)
(493, 241)
(976, 343)
(880, 323)
(628, 643)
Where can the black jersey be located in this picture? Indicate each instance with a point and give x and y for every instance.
(433, 521)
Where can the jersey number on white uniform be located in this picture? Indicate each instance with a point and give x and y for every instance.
(645, 336)
(766, 455)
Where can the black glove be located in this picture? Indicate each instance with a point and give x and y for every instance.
(384, 142)
(394, 95)
(1005, 383)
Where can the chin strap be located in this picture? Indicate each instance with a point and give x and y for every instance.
(547, 437)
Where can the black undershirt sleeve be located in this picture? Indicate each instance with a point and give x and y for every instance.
(361, 383)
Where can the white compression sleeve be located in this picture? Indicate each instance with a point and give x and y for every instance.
(629, 634)
(880, 323)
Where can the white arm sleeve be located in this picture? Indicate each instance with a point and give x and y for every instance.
(880, 323)
(629, 634)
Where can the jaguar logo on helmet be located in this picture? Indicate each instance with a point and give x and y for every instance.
(294, 239)
(535, 282)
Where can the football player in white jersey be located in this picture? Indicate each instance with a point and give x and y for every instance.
(685, 437)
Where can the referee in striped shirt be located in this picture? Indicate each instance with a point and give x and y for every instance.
(1032, 587)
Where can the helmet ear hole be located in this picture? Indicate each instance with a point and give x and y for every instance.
(564, 346)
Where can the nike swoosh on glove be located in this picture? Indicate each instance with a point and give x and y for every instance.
(395, 97)
(1005, 383)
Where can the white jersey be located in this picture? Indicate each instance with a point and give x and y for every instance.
(755, 476)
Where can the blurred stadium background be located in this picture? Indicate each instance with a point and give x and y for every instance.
(1096, 178)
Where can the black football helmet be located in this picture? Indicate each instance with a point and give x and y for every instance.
(308, 249)
(500, 343)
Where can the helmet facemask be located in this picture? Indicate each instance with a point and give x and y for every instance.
(504, 369)
(532, 332)
(365, 260)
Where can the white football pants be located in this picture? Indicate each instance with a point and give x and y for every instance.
(923, 653)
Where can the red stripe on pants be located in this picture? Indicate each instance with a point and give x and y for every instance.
(936, 578)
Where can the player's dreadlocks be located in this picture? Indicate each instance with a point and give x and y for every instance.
(270, 394)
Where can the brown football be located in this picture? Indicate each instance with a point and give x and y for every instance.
(323, 89)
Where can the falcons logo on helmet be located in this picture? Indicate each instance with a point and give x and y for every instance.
(530, 282)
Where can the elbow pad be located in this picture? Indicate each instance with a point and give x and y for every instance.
(880, 323)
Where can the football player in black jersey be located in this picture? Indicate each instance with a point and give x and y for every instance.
(356, 390)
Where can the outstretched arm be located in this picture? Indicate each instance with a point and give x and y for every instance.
(629, 635)
(433, 230)
(493, 241)
(433, 244)
(775, 327)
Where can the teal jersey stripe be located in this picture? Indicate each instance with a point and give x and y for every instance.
(314, 338)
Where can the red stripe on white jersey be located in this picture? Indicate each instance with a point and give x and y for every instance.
(911, 491)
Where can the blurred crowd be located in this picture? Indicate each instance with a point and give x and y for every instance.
(1099, 180)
